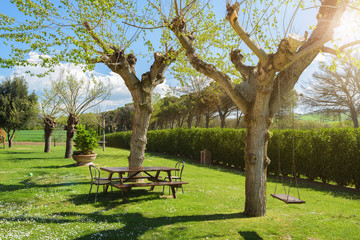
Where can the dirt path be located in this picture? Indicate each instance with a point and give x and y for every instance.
(33, 143)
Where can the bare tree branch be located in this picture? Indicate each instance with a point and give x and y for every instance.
(232, 17)
(209, 70)
(101, 44)
(342, 48)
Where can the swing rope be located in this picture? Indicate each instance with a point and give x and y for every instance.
(279, 154)
(287, 198)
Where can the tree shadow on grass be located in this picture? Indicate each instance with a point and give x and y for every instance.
(57, 166)
(250, 235)
(114, 199)
(135, 224)
(18, 152)
(25, 159)
(27, 184)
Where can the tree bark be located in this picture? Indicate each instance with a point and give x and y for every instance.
(142, 113)
(238, 118)
(354, 117)
(256, 160)
(207, 120)
(189, 121)
(222, 119)
(10, 136)
(48, 134)
(103, 141)
(73, 120)
(49, 126)
(198, 119)
(9, 140)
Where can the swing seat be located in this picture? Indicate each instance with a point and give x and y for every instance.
(287, 198)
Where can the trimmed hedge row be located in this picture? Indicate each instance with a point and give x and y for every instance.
(326, 154)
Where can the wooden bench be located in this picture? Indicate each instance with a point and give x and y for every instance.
(154, 180)
(135, 177)
(127, 186)
(147, 184)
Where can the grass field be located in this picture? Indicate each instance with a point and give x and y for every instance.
(320, 118)
(38, 136)
(44, 196)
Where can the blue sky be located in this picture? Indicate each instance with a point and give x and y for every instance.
(120, 94)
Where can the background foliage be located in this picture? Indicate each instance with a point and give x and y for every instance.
(330, 155)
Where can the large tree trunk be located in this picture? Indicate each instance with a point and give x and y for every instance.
(49, 126)
(73, 120)
(142, 113)
(256, 161)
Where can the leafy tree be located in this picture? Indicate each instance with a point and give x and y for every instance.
(256, 95)
(208, 103)
(336, 92)
(17, 107)
(193, 84)
(77, 96)
(103, 120)
(124, 117)
(188, 104)
(89, 119)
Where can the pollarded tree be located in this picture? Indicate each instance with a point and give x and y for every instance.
(335, 92)
(50, 106)
(76, 96)
(275, 74)
(89, 33)
(17, 107)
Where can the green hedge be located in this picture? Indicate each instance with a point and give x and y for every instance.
(325, 154)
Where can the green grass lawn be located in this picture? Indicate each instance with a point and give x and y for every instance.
(44, 196)
(38, 136)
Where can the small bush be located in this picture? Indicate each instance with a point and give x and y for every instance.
(85, 140)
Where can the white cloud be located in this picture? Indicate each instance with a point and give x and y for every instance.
(120, 95)
(162, 88)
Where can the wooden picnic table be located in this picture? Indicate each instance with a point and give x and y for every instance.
(128, 178)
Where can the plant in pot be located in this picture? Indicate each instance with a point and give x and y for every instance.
(85, 142)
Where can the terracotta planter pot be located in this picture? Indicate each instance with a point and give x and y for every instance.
(84, 160)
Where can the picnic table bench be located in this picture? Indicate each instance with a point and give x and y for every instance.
(125, 183)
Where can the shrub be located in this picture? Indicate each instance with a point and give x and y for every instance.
(85, 140)
(325, 154)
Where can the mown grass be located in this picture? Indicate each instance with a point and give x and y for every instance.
(44, 196)
(38, 136)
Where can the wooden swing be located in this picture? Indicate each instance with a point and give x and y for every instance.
(287, 198)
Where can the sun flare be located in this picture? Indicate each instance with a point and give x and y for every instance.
(348, 28)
